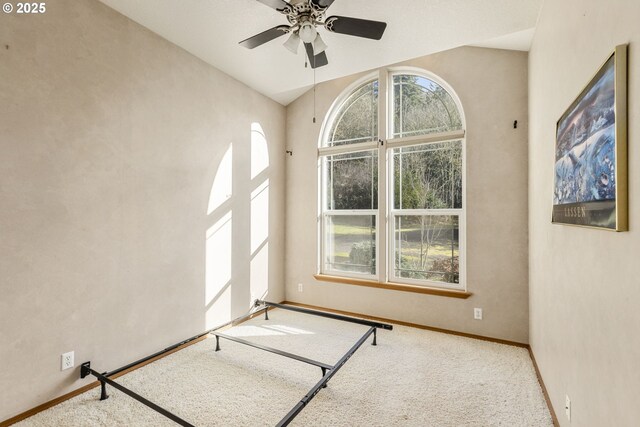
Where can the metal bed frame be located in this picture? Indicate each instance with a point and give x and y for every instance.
(328, 371)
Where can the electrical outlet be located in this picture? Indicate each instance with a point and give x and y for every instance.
(67, 361)
(567, 407)
(477, 313)
(299, 287)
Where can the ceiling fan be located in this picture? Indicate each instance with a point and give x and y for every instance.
(304, 17)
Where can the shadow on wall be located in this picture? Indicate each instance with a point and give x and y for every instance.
(221, 292)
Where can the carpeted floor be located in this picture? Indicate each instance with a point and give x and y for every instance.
(411, 378)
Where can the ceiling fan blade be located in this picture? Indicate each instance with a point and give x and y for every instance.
(265, 36)
(319, 60)
(278, 5)
(323, 4)
(356, 27)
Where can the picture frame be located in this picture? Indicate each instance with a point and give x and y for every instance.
(590, 172)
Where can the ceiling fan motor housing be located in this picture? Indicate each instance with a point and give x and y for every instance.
(304, 11)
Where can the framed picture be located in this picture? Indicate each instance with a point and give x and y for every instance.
(590, 184)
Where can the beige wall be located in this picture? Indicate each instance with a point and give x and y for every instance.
(110, 138)
(584, 284)
(492, 86)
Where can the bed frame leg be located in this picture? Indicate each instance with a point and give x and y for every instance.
(217, 343)
(103, 390)
(266, 314)
(374, 337)
(324, 372)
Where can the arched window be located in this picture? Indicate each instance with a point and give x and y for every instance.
(392, 190)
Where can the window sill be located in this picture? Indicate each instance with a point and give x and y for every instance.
(394, 286)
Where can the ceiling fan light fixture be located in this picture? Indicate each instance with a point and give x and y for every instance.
(292, 43)
(319, 45)
(303, 17)
(307, 32)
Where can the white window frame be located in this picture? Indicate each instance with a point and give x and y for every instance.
(385, 214)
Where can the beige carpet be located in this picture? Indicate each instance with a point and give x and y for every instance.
(412, 378)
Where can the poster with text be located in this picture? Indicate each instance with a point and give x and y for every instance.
(588, 158)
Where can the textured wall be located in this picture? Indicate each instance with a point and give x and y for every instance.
(492, 86)
(110, 139)
(584, 284)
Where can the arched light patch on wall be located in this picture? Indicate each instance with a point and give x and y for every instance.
(221, 189)
(218, 245)
(259, 215)
(259, 150)
(218, 272)
(259, 280)
(260, 241)
(259, 270)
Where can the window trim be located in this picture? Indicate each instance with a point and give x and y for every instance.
(419, 289)
(385, 224)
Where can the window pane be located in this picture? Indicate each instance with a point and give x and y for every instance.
(357, 117)
(426, 248)
(351, 243)
(428, 176)
(351, 180)
(421, 107)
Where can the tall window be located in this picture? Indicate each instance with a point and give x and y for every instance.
(392, 184)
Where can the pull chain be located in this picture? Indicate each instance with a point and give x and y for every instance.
(314, 95)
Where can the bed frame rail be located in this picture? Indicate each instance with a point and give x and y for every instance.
(328, 371)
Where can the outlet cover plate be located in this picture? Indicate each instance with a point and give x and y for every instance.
(67, 361)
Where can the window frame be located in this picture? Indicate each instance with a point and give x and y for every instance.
(386, 213)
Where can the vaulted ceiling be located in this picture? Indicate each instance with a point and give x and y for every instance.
(211, 30)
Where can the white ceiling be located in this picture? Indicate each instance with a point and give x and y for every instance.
(211, 30)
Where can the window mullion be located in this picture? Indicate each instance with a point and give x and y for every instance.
(382, 218)
(452, 211)
(434, 138)
(349, 148)
(347, 212)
